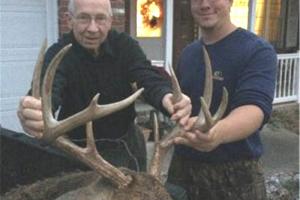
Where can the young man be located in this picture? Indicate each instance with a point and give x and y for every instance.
(106, 62)
(223, 163)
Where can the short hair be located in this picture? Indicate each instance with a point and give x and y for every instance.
(71, 7)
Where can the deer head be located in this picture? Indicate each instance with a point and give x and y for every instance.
(113, 183)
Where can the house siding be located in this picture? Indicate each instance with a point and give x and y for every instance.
(119, 18)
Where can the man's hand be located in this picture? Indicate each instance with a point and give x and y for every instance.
(179, 111)
(201, 141)
(30, 116)
(238, 125)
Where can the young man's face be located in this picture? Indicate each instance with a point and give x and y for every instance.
(90, 22)
(211, 13)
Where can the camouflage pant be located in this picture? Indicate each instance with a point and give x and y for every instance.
(241, 180)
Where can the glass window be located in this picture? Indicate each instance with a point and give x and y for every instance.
(267, 21)
(149, 19)
(239, 13)
(275, 20)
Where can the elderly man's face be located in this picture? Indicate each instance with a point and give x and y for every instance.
(91, 22)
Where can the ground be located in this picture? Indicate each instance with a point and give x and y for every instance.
(286, 116)
(281, 158)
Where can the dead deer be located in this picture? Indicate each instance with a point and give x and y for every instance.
(113, 183)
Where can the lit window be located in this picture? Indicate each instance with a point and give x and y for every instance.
(239, 13)
(267, 19)
(149, 18)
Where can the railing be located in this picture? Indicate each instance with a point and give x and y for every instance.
(288, 75)
(288, 78)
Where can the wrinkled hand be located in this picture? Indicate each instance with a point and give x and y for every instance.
(198, 140)
(180, 111)
(30, 116)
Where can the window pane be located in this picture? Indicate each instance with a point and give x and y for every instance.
(239, 13)
(267, 20)
(149, 18)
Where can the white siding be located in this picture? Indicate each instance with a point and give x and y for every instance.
(24, 25)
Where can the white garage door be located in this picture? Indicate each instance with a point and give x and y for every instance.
(24, 24)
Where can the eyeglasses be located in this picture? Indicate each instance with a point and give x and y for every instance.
(86, 19)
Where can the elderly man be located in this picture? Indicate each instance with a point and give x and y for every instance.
(103, 61)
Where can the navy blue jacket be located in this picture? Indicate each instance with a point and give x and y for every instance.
(246, 65)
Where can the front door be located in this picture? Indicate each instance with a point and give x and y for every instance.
(147, 26)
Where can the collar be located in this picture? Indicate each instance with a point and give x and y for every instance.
(106, 47)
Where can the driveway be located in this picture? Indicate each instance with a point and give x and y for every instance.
(281, 150)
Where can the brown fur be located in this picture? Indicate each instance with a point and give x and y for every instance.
(90, 186)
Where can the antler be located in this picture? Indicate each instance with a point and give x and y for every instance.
(54, 130)
(160, 149)
(204, 122)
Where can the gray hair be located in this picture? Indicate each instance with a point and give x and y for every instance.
(71, 7)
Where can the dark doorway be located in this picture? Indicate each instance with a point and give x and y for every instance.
(184, 31)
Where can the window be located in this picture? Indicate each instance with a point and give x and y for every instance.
(275, 20)
(267, 20)
(239, 13)
(149, 19)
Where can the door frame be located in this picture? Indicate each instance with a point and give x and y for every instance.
(168, 58)
(169, 33)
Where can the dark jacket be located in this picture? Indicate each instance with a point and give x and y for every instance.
(80, 76)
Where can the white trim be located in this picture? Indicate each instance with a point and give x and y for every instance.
(290, 61)
(169, 33)
(158, 63)
(298, 87)
(285, 99)
(251, 17)
(52, 21)
(289, 55)
(298, 68)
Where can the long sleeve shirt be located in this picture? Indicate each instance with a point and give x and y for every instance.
(246, 65)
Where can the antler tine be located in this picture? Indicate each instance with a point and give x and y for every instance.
(93, 111)
(154, 167)
(37, 71)
(90, 156)
(177, 94)
(208, 86)
(205, 120)
(158, 161)
(222, 108)
(47, 85)
(162, 147)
